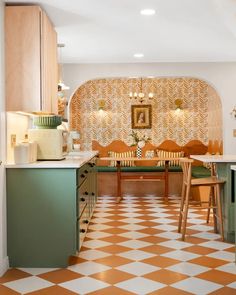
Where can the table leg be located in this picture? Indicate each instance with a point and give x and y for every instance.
(166, 192)
(118, 197)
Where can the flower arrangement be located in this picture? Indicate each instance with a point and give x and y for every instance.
(139, 140)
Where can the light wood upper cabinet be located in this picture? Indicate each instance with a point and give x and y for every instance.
(31, 60)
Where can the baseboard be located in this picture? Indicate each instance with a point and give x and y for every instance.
(4, 265)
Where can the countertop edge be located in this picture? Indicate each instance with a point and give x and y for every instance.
(71, 161)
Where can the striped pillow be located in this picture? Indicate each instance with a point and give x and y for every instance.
(129, 154)
(163, 154)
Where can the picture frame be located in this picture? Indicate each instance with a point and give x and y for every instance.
(141, 116)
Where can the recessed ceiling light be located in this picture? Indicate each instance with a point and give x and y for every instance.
(138, 55)
(147, 11)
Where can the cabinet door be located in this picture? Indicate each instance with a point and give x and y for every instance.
(31, 60)
(22, 48)
(49, 73)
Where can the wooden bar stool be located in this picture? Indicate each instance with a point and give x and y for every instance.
(214, 201)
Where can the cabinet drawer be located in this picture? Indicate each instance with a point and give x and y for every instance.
(82, 197)
(82, 174)
(82, 226)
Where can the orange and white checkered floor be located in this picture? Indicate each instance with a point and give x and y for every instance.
(133, 248)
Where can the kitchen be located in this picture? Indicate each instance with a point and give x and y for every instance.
(216, 73)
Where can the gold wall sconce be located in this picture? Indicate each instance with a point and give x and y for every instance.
(101, 105)
(233, 112)
(178, 104)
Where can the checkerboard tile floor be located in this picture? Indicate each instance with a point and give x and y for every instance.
(133, 248)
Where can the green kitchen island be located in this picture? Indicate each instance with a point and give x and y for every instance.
(49, 205)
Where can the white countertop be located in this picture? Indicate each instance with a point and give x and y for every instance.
(215, 158)
(76, 160)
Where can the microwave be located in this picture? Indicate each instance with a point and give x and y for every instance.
(51, 143)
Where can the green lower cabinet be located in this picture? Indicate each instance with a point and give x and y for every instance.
(228, 199)
(43, 216)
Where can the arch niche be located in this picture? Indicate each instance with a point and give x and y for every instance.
(200, 117)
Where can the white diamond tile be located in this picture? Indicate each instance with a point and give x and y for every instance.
(169, 235)
(138, 268)
(224, 255)
(197, 286)
(140, 285)
(216, 245)
(229, 267)
(88, 268)
(175, 244)
(29, 284)
(134, 244)
(93, 254)
(136, 255)
(132, 227)
(189, 269)
(97, 235)
(93, 244)
(84, 285)
(181, 255)
(37, 271)
(133, 235)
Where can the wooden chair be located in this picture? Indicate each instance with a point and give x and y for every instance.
(214, 201)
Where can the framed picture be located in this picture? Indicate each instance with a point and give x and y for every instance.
(141, 116)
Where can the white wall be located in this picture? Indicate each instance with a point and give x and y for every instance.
(3, 246)
(222, 76)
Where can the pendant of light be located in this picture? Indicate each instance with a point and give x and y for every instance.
(61, 83)
(140, 95)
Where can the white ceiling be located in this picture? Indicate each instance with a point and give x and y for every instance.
(111, 31)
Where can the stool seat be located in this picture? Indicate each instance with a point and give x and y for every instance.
(214, 201)
(206, 181)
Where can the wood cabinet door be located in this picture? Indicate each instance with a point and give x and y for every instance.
(22, 49)
(49, 73)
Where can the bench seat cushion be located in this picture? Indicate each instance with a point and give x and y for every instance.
(200, 172)
(139, 169)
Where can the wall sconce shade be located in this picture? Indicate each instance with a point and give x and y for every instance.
(178, 104)
(140, 94)
(101, 104)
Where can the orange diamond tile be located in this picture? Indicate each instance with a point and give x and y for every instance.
(169, 291)
(76, 260)
(13, 274)
(161, 261)
(150, 231)
(208, 261)
(6, 291)
(113, 260)
(54, 290)
(116, 223)
(156, 249)
(224, 291)
(217, 276)
(199, 250)
(115, 231)
(60, 276)
(113, 249)
(112, 276)
(153, 239)
(111, 291)
(165, 276)
(147, 223)
(114, 239)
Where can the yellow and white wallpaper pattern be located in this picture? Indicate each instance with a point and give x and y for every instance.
(200, 117)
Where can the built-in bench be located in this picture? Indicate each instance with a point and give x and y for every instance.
(107, 184)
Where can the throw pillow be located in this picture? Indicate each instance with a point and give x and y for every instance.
(167, 154)
(124, 163)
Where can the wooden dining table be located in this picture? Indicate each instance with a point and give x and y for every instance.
(146, 176)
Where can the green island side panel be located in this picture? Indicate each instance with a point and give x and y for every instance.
(41, 217)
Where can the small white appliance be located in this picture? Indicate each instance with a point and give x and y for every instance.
(51, 143)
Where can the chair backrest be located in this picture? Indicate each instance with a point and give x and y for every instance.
(186, 165)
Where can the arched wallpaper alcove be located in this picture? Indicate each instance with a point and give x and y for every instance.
(200, 117)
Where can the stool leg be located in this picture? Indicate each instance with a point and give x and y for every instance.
(185, 212)
(210, 204)
(218, 201)
(181, 207)
(214, 207)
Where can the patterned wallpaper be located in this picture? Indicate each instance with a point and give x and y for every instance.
(200, 117)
